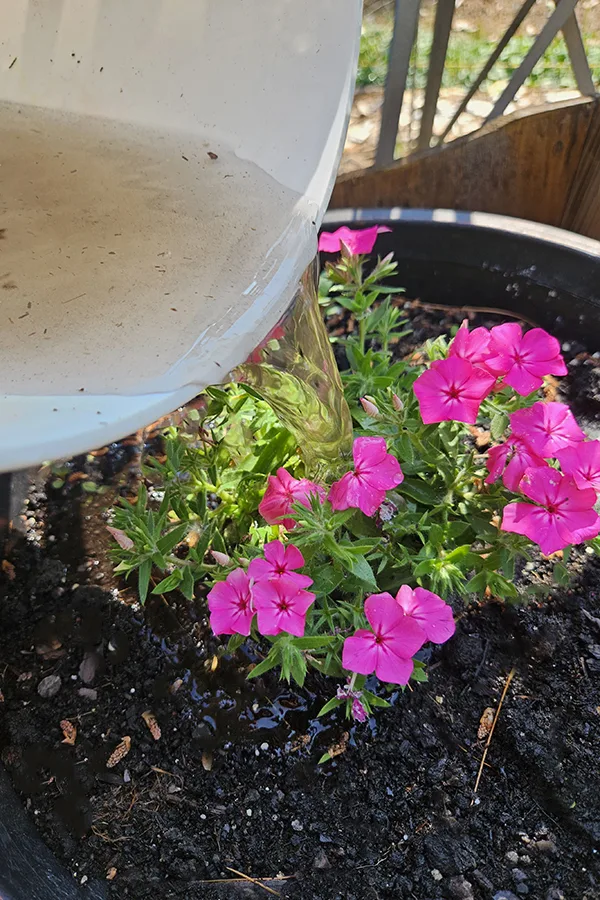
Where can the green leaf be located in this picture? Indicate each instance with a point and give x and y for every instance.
(187, 583)
(268, 663)
(419, 674)
(361, 569)
(404, 449)
(326, 580)
(298, 666)
(235, 642)
(419, 491)
(331, 704)
(498, 425)
(313, 643)
(144, 579)
(166, 543)
(374, 700)
(169, 583)
(325, 758)
(561, 574)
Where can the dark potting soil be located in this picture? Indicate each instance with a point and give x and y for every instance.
(232, 785)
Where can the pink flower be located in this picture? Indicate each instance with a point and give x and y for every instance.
(280, 559)
(510, 460)
(471, 345)
(452, 391)
(546, 428)
(429, 611)
(282, 492)
(388, 649)
(281, 605)
(582, 462)
(524, 359)
(565, 514)
(375, 472)
(230, 604)
(361, 240)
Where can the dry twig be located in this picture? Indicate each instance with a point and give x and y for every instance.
(254, 881)
(490, 735)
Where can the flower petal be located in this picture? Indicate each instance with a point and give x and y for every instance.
(392, 668)
(293, 559)
(275, 553)
(360, 652)
(383, 613)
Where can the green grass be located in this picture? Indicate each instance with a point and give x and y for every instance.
(467, 54)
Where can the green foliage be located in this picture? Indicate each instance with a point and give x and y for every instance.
(467, 54)
(439, 529)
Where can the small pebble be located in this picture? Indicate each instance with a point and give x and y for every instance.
(505, 895)
(249, 813)
(513, 857)
(546, 846)
(264, 746)
(436, 875)
(297, 825)
(519, 875)
(49, 686)
(88, 693)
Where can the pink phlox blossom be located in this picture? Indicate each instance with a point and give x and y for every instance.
(230, 604)
(546, 428)
(564, 514)
(388, 649)
(357, 241)
(582, 462)
(523, 359)
(281, 605)
(451, 390)
(510, 460)
(283, 490)
(471, 345)
(429, 611)
(375, 472)
(279, 560)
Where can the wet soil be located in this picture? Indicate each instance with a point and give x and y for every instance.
(232, 785)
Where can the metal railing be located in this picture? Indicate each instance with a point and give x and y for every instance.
(404, 37)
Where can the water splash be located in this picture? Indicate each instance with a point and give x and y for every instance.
(295, 371)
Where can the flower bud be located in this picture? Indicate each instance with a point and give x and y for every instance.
(369, 407)
(221, 558)
(397, 403)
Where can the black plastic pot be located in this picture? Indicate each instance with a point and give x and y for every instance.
(550, 276)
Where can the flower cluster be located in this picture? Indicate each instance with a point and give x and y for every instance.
(375, 472)
(562, 511)
(541, 436)
(400, 626)
(482, 361)
(271, 589)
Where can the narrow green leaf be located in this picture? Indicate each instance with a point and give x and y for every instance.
(169, 583)
(268, 663)
(144, 579)
(187, 583)
(168, 541)
(331, 704)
